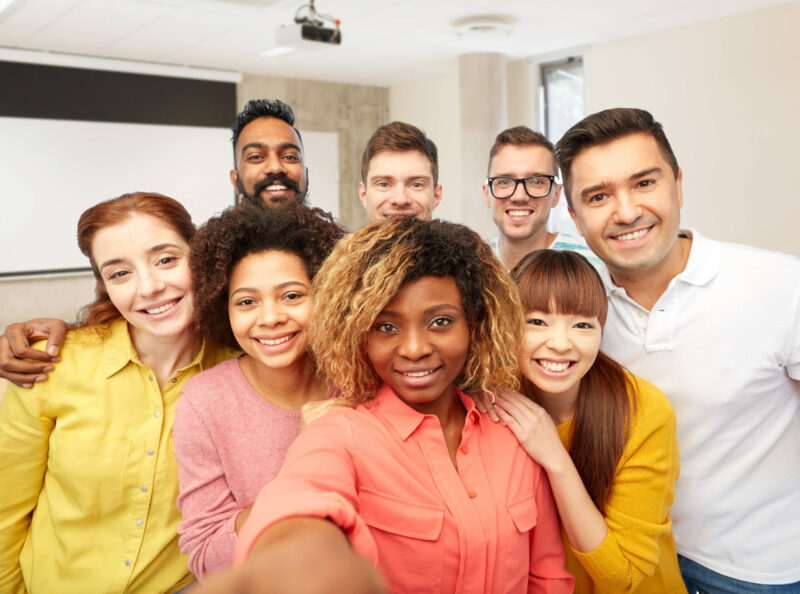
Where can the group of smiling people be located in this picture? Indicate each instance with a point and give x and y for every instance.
(446, 437)
(267, 403)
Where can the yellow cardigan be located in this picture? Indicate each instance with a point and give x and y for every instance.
(638, 552)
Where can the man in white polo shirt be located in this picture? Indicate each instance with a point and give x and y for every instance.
(716, 326)
(521, 188)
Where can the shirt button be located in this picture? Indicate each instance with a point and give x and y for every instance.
(144, 488)
(151, 378)
(128, 562)
(157, 414)
(174, 379)
(465, 449)
(149, 452)
(472, 494)
(640, 314)
(139, 522)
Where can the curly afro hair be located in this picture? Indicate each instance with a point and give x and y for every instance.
(368, 268)
(223, 241)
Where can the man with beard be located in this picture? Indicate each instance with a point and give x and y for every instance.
(268, 155)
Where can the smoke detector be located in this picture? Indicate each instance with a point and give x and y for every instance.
(490, 26)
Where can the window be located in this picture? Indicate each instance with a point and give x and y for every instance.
(562, 106)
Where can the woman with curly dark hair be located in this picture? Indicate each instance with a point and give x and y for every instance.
(252, 269)
(408, 314)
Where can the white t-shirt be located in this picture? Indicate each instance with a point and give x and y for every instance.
(723, 344)
(562, 241)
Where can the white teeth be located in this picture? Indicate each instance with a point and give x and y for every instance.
(161, 309)
(518, 213)
(275, 188)
(418, 373)
(274, 342)
(553, 366)
(634, 235)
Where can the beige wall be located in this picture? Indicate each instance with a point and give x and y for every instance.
(433, 105)
(353, 111)
(727, 93)
(50, 296)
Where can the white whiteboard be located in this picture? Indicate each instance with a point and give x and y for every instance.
(52, 170)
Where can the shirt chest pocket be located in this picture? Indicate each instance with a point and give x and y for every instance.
(408, 534)
(515, 541)
(90, 474)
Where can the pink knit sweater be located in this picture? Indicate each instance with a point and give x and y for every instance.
(229, 442)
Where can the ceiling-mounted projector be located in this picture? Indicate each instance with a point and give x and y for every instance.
(309, 31)
(307, 35)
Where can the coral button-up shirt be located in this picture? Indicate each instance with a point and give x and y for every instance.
(382, 473)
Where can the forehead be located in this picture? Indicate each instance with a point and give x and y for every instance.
(617, 160)
(136, 233)
(399, 164)
(271, 132)
(420, 294)
(268, 268)
(519, 160)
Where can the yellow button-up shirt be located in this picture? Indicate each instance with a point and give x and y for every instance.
(88, 479)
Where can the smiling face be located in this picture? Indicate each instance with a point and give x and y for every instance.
(419, 343)
(558, 350)
(269, 163)
(145, 270)
(399, 183)
(521, 217)
(626, 203)
(269, 303)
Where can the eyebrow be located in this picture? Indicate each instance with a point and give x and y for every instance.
(604, 184)
(155, 249)
(430, 310)
(278, 286)
(282, 147)
(532, 174)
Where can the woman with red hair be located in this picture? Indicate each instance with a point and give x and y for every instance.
(86, 457)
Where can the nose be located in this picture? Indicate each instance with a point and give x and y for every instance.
(414, 345)
(273, 163)
(519, 195)
(627, 210)
(558, 339)
(150, 283)
(271, 314)
(400, 197)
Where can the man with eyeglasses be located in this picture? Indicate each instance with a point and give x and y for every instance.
(521, 189)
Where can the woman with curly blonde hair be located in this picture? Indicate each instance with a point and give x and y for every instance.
(408, 313)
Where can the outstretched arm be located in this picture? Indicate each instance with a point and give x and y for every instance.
(303, 556)
(15, 347)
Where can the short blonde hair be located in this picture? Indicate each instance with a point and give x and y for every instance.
(368, 268)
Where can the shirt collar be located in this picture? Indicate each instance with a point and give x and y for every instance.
(405, 419)
(118, 350)
(701, 267)
(704, 260)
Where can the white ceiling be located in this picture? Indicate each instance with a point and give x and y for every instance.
(385, 42)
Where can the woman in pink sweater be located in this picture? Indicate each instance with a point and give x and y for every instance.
(252, 269)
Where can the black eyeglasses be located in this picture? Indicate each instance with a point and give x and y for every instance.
(536, 186)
